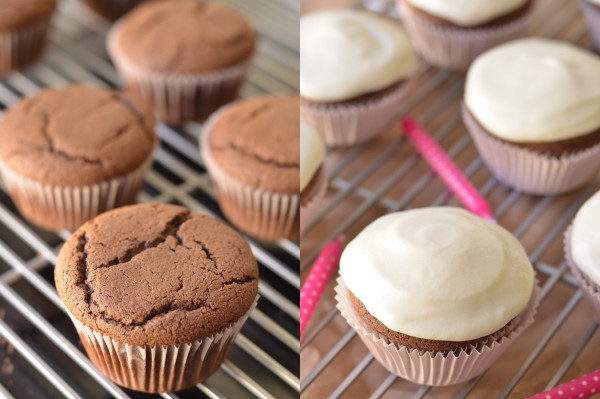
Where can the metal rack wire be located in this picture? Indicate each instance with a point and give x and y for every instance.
(386, 176)
(40, 354)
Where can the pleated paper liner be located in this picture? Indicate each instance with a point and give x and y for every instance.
(453, 47)
(350, 123)
(591, 12)
(529, 171)
(263, 214)
(159, 368)
(54, 207)
(178, 98)
(112, 9)
(22, 46)
(591, 290)
(313, 198)
(431, 367)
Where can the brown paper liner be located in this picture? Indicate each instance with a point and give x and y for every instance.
(159, 368)
(430, 367)
(178, 98)
(310, 204)
(453, 47)
(529, 171)
(112, 9)
(591, 12)
(347, 124)
(54, 207)
(591, 290)
(22, 46)
(263, 214)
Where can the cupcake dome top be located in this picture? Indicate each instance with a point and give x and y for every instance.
(16, 13)
(312, 153)
(76, 135)
(585, 238)
(468, 12)
(185, 36)
(438, 273)
(156, 274)
(535, 90)
(347, 53)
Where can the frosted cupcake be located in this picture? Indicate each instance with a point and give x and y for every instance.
(582, 251)
(591, 12)
(532, 107)
(450, 34)
(313, 179)
(436, 294)
(354, 72)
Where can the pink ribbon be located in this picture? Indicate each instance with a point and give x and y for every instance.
(580, 388)
(320, 274)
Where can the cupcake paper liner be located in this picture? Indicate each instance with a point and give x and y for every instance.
(263, 214)
(178, 98)
(591, 12)
(23, 45)
(529, 171)
(454, 47)
(315, 198)
(159, 368)
(430, 367)
(591, 290)
(56, 207)
(112, 9)
(346, 124)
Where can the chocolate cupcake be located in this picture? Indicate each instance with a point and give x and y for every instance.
(450, 34)
(71, 153)
(354, 72)
(542, 135)
(582, 251)
(436, 294)
(186, 57)
(112, 9)
(157, 300)
(252, 152)
(313, 178)
(591, 12)
(24, 26)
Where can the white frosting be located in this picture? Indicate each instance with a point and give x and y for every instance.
(468, 12)
(346, 53)
(312, 153)
(535, 90)
(438, 273)
(585, 238)
(595, 2)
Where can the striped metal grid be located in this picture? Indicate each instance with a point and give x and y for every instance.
(387, 176)
(40, 354)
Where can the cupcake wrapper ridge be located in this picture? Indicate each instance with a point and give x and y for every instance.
(23, 45)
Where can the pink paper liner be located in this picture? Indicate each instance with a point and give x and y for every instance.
(263, 214)
(308, 208)
(431, 367)
(591, 290)
(591, 12)
(453, 47)
(159, 368)
(529, 171)
(23, 45)
(56, 207)
(178, 98)
(112, 9)
(347, 124)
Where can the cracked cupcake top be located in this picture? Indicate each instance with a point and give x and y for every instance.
(156, 274)
(76, 135)
(257, 142)
(16, 13)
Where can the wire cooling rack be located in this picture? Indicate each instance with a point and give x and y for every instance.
(40, 353)
(386, 176)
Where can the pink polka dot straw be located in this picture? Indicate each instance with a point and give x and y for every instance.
(446, 169)
(317, 279)
(583, 387)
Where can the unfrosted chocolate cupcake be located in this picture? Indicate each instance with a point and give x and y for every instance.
(252, 151)
(23, 29)
(157, 293)
(71, 153)
(112, 9)
(186, 57)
